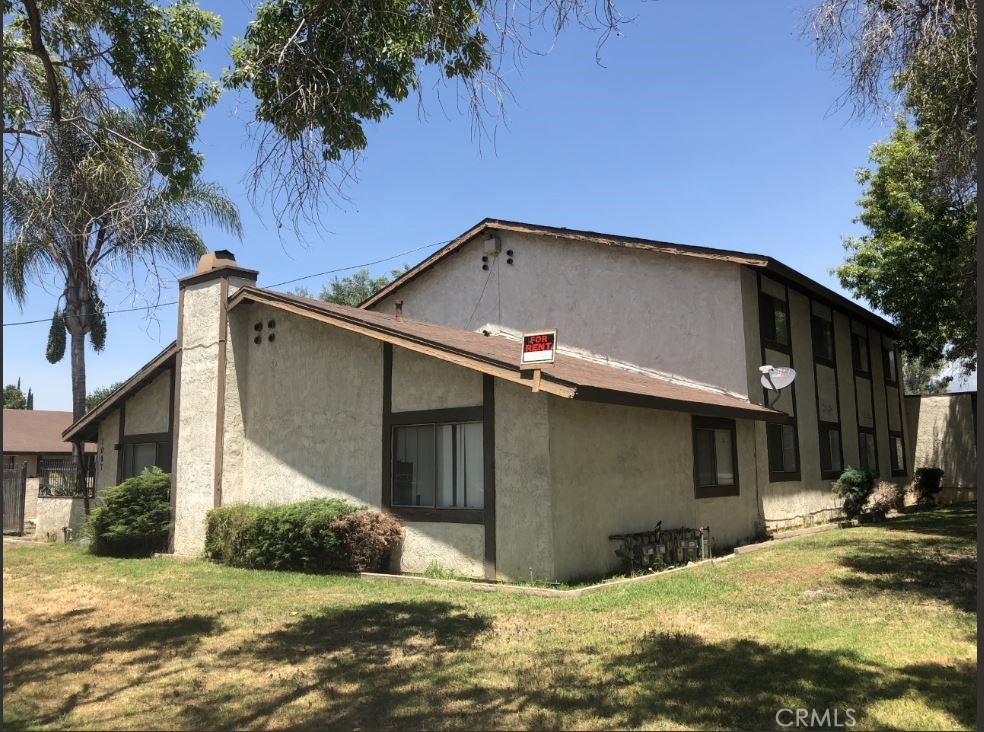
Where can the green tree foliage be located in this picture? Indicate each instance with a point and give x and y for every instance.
(918, 262)
(354, 289)
(922, 378)
(320, 71)
(97, 396)
(14, 398)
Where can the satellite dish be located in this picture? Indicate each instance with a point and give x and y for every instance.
(777, 378)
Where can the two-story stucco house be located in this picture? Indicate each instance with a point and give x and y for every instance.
(416, 403)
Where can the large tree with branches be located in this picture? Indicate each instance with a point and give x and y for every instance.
(102, 103)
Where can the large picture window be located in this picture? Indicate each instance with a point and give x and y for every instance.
(775, 321)
(715, 457)
(438, 466)
(138, 455)
(783, 453)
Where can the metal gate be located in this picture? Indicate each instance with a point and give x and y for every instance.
(14, 493)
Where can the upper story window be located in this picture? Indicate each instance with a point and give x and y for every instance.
(715, 457)
(438, 465)
(891, 366)
(823, 340)
(859, 350)
(775, 321)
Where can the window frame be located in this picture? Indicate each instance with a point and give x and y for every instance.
(875, 469)
(453, 415)
(886, 352)
(715, 423)
(824, 428)
(769, 342)
(781, 476)
(856, 338)
(435, 429)
(157, 439)
(902, 469)
(817, 358)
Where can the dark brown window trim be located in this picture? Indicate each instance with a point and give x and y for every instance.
(434, 416)
(901, 470)
(146, 437)
(827, 425)
(876, 468)
(890, 382)
(439, 515)
(778, 347)
(854, 355)
(715, 491)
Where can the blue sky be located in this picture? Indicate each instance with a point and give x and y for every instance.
(709, 123)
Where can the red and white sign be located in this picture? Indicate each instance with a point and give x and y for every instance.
(539, 348)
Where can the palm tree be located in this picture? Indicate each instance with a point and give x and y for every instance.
(93, 206)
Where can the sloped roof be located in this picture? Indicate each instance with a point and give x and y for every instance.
(87, 427)
(570, 377)
(36, 431)
(768, 265)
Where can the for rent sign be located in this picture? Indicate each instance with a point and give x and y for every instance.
(539, 347)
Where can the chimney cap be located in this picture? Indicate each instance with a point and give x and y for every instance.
(220, 263)
(215, 260)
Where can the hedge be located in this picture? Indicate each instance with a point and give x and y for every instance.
(319, 535)
(133, 518)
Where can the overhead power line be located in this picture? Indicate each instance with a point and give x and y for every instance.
(277, 284)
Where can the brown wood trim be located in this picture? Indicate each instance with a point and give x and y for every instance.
(715, 491)
(439, 515)
(627, 399)
(145, 437)
(176, 419)
(488, 449)
(220, 390)
(119, 446)
(387, 437)
(433, 416)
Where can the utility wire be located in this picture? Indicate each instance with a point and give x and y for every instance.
(278, 284)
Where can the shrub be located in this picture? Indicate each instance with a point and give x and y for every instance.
(367, 538)
(311, 536)
(886, 497)
(854, 486)
(927, 483)
(132, 519)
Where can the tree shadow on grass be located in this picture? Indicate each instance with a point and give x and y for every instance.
(958, 522)
(939, 570)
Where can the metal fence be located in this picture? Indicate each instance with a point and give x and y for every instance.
(14, 493)
(58, 478)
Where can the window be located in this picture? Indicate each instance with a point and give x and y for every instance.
(823, 340)
(715, 457)
(897, 453)
(891, 367)
(782, 452)
(775, 321)
(140, 455)
(831, 459)
(867, 450)
(438, 466)
(859, 348)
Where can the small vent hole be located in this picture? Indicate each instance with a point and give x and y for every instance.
(271, 337)
(258, 340)
(258, 326)
(271, 324)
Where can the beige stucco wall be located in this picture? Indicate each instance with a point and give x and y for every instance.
(458, 548)
(53, 514)
(523, 484)
(621, 469)
(678, 314)
(422, 382)
(944, 426)
(193, 473)
(148, 410)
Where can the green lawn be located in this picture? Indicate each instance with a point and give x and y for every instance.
(878, 619)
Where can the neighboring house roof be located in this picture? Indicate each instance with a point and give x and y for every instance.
(569, 377)
(88, 426)
(29, 431)
(760, 262)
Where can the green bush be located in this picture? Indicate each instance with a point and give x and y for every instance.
(927, 483)
(312, 536)
(854, 485)
(132, 519)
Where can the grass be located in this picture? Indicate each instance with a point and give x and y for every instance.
(879, 619)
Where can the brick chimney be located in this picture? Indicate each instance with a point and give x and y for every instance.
(200, 394)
